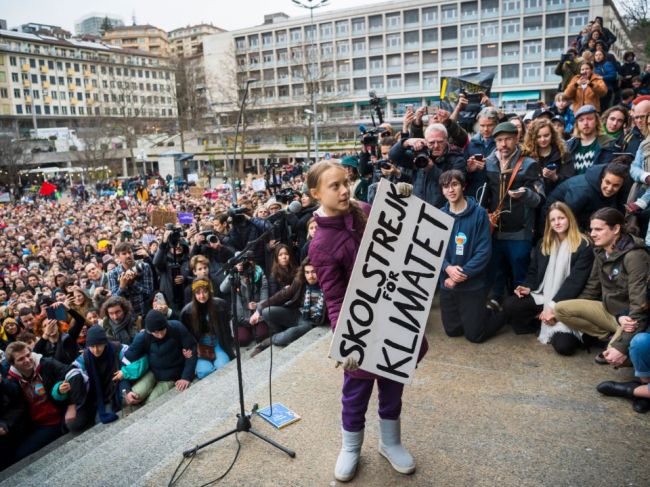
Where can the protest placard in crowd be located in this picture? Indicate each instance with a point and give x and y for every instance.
(386, 306)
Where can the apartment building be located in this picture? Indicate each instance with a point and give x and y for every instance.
(91, 24)
(188, 41)
(400, 50)
(143, 37)
(52, 82)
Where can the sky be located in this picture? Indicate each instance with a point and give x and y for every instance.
(168, 15)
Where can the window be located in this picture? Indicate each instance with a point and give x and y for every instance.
(296, 35)
(375, 22)
(489, 50)
(326, 49)
(430, 80)
(468, 53)
(411, 17)
(393, 20)
(376, 63)
(32, 63)
(394, 82)
(267, 57)
(449, 12)
(267, 39)
(19, 109)
(429, 35)
(430, 15)
(411, 60)
(489, 29)
(577, 20)
(449, 33)
(555, 44)
(468, 32)
(394, 61)
(12, 61)
(325, 30)
(4, 93)
(532, 48)
(376, 82)
(489, 7)
(360, 84)
(16, 92)
(281, 36)
(253, 41)
(359, 64)
(359, 46)
(429, 59)
(510, 50)
(468, 9)
(342, 48)
(532, 4)
(358, 25)
(449, 56)
(555, 21)
(533, 24)
(393, 41)
(342, 27)
(510, 27)
(531, 70)
(412, 39)
(509, 71)
(511, 7)
(14, 77)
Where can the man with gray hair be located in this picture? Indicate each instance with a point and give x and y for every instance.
(428, 158)
(634, 137)
(479, 148)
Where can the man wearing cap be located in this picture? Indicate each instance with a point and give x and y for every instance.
(106, 372)
(513, 232)
(171, 352)
(589, 146)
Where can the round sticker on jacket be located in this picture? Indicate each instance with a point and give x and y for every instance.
(460, 240)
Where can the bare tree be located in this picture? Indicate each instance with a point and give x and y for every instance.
(11, 154)
(96, 136)
(637, 16)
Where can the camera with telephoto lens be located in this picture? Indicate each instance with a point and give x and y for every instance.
(421, 158)
(371, 137)
(175, 236)
(384, 164)
(285, 196)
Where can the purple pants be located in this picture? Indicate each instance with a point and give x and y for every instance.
(356, 394)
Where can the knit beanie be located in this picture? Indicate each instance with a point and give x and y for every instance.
(96, 336)
(155, 321)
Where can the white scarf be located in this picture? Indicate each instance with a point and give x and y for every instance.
(557, 270)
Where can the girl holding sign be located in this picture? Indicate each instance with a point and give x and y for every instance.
(333, 250)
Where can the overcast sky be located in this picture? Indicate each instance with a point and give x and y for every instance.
(227, 14)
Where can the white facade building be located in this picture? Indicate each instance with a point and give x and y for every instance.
(91, 24)
(399, 49)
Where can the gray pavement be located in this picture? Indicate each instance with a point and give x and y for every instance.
(509, 412)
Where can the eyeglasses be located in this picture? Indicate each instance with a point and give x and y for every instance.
(436, 142)
(640, 117)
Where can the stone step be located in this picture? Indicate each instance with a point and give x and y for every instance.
(163, 429)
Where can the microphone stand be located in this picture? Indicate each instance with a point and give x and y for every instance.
(243, 418)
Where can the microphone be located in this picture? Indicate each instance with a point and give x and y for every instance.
(294, 207)
(362, 129)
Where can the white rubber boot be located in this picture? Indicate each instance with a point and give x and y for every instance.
(348, 460)
(390, 446)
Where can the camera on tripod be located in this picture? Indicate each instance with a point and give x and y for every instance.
(371, 137)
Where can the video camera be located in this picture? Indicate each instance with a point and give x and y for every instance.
(210, 236)
(285, 196)
(421, 158)
(384, 164)
(370, 137)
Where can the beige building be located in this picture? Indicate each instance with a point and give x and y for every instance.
(50, 82)
(188, 41)
(143, 37)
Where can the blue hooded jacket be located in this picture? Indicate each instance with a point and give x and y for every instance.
(470, 246)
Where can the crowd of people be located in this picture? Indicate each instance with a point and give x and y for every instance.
(104, 308)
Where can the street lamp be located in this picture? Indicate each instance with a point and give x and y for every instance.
(312, 5)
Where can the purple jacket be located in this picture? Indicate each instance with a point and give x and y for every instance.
(332, 252)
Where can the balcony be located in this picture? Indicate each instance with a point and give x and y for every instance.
(376, 28)
(70, 72)
(491, 13)
(411, 46)
(26, 83)
(487, 60)
(469, 16)
(533, 79)
(395, 48)
(393, 28)
(44, 69)
(550, 31)
(449, 42)
(430, 84)
(25, 68)
(72, 87)
(578, 3)
(47, 100)
(468, 41)
(533, 32)
(342, 34)
(394, 89)
(295, 42)
(73, 101)
(28, 99)
(87, 73)
(555, 6)
(430, 44)
(411, 87)
(88, 87)
(509, 57)
(376, 70)
(376, 50)
(90, 101)
(552, 77)
(510, 35)
(412, 67)
(553, 54)
(45, 85)
(511, 12)
(469, 62)
(534, 56)
(394, 69)
(489, 38)
(509, 81)
(449, 19)
(427, 21)
(428, 66)
(360, 72)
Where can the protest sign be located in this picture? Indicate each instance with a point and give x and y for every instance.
(185, 218)
(159, 218)
(259, 185)
(387, 302)
(196, 191)
(5, 197)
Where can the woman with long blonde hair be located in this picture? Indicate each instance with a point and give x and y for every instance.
(559, 268)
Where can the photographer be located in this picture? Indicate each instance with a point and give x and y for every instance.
(130, 280)
(209, 245)
(172, 261)
(567, 68)
(430, 157)
(253, 289)
(245, 229)
(479, 148)
(468, 107)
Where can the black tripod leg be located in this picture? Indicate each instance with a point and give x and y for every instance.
(291, 453)
(192, 451)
